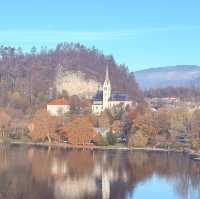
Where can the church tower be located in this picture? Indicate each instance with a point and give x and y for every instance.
(106, 90)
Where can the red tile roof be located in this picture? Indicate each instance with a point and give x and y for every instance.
(60, 101)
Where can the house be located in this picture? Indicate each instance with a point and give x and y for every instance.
(58, 107)
(106, 98)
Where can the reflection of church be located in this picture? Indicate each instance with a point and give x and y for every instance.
(106, 98)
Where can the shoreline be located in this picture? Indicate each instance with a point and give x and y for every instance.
(189, 152)
(63, 145)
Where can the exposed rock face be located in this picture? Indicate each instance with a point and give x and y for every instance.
(76, 83)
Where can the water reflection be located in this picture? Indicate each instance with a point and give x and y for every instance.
(34, 173)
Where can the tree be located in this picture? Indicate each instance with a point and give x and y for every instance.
(146, 123)
(5, 120)
(105, 120)
(195, 125)
(111, 138)
(137, 139)
(117, 112)
(108, 139)
(43, 126)
(180, 121)
(17, 100)
(33, 50)
(80, 131)
(75, 104)
(117, 126)
(164, 121)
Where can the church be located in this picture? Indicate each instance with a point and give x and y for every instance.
(105, 98)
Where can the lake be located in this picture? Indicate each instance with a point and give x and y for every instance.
(40, 173)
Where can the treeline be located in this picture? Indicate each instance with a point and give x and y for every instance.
(168, 127)
(34, 72)
(184, 93)
(138, 126)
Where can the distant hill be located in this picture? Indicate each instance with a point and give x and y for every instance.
(180, 75)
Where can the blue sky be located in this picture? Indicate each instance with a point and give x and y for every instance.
(139, 33)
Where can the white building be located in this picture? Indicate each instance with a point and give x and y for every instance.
(58, 107)
(106, 98)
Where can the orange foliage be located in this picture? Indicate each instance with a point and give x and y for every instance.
(4, 122)
(80, 131)
(146, 123)
(42, 126)
(105, 119)
(164, 120)
(137, 140)
(195, 125)
(117, 126)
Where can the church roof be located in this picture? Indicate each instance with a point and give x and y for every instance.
(119, 96)
(98, 96)
(115, 96)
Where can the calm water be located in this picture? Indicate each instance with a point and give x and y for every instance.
(39, 173)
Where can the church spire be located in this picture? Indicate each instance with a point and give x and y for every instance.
(107, 74)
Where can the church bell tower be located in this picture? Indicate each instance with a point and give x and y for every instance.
(106, 90)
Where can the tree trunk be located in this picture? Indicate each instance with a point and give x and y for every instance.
(49, 139)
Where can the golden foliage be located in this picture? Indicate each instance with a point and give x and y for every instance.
(80, 130)
(146, 123)
(116, 126)
(195, 125)
(137, 140)
(105, 119)
(5, 120)
(43, 126)
(164, 120)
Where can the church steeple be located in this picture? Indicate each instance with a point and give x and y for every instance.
(107, 74)
(106, 89)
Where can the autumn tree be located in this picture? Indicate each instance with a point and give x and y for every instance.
(5, 120)
(194, 131)
(75, 103)
(146, 123)
(138, 139)
(164, 120)
(117, 112)
(105, 120)
(80, 131)
(117, 126)
(43, 126)
(180, 123)
(180, 119)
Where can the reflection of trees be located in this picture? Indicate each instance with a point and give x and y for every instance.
(58, 174)
(3, 157)
(16, 181)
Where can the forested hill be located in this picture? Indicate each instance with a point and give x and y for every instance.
(35, 71)
(176, 76)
